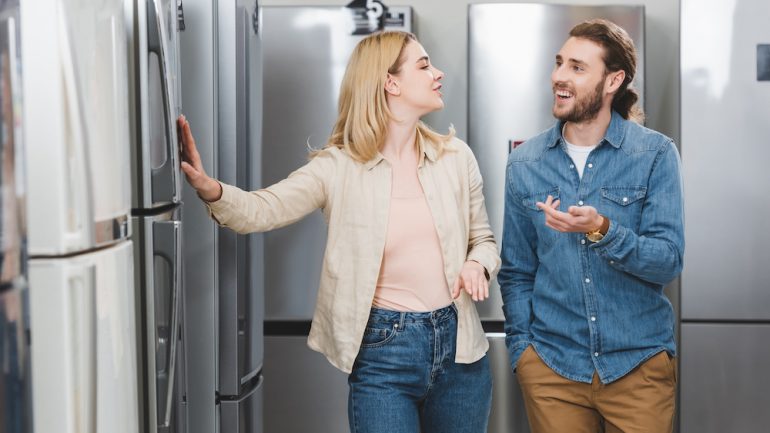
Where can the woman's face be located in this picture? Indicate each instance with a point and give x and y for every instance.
(417, 85)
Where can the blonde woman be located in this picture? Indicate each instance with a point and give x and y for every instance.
(409, 246)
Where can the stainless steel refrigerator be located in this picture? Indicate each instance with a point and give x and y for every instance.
(511, 51)
(83, 325)
(725, 329)
(156, 211)
(222, 88)
(15, 380)
(306, 49)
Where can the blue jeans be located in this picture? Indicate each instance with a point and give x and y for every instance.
(405, 379)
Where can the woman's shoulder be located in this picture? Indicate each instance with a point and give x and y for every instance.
(458, 149)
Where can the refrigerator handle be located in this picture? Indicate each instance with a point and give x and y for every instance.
(82, 310)
(157, 35)
(173, 252)
(81, 228)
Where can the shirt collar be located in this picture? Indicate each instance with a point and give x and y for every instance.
(426, 151)
(614, 135)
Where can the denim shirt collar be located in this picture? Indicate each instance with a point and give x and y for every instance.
(616, 131)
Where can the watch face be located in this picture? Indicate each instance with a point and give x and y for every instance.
(594, 236)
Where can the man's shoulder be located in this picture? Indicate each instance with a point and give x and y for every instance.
(639, 138)
(533, 148)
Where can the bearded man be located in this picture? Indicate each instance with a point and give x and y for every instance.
(593, 230)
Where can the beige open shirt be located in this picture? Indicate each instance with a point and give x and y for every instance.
(354, 198)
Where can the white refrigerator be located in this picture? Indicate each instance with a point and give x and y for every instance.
(83, 325)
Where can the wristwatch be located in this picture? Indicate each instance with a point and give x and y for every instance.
(598, 234)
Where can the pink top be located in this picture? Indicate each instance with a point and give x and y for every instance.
(412, 274)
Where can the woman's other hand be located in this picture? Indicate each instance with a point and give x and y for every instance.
(473, 279)
(208, 189)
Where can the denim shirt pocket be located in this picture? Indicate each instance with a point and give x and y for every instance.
(623, 204)
(546, 235)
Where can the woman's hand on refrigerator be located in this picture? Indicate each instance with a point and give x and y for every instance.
(208, 189)
(473, 280)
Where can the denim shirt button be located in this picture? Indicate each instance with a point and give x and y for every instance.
(572, 166)
(612, 262)
(593, 319)
(580, 203)
(588, 280)
(582, 242)
(596, 353)
(590, 166)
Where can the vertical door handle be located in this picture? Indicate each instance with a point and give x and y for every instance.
(81, 298)
(157, 35)
(168, 244)
(78, 176)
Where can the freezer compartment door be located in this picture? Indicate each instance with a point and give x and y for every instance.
(84, 342)
(509, 96)
(159, 274)
(724, 378)
(244, 414)
(77, 137)
(156, 104)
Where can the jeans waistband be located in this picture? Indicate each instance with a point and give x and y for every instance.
(435, 316)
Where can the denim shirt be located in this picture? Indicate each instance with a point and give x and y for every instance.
(593, 307)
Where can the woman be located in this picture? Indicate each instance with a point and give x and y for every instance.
(409, 247)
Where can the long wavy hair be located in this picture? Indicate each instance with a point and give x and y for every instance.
(363, 113)
(619, 54)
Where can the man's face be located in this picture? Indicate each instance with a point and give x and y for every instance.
(578, 81)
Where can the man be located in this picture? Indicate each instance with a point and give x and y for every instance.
(593, 230)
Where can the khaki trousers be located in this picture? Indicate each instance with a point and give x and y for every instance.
(640, 402)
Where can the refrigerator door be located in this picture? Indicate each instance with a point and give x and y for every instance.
(240, 284)
(509, 96)
(159, 271)
(155, 148)
(75, 115)
(725, 106)
(300, 112)
(84, 342)
(724, 378)
(244, 414)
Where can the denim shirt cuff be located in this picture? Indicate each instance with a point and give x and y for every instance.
(614, 235)
(515, 349)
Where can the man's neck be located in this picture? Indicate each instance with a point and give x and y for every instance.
(589, 132)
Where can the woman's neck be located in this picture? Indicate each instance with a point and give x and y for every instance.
(400, 140)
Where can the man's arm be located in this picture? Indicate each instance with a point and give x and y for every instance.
(517, 273)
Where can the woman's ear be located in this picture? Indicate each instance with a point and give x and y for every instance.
(391, 86)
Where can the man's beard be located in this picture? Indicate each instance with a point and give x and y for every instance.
(585, 108)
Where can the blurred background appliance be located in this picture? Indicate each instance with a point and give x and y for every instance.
(15, 380)
(725, 331)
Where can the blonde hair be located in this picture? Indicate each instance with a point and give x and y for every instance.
(363, 113)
